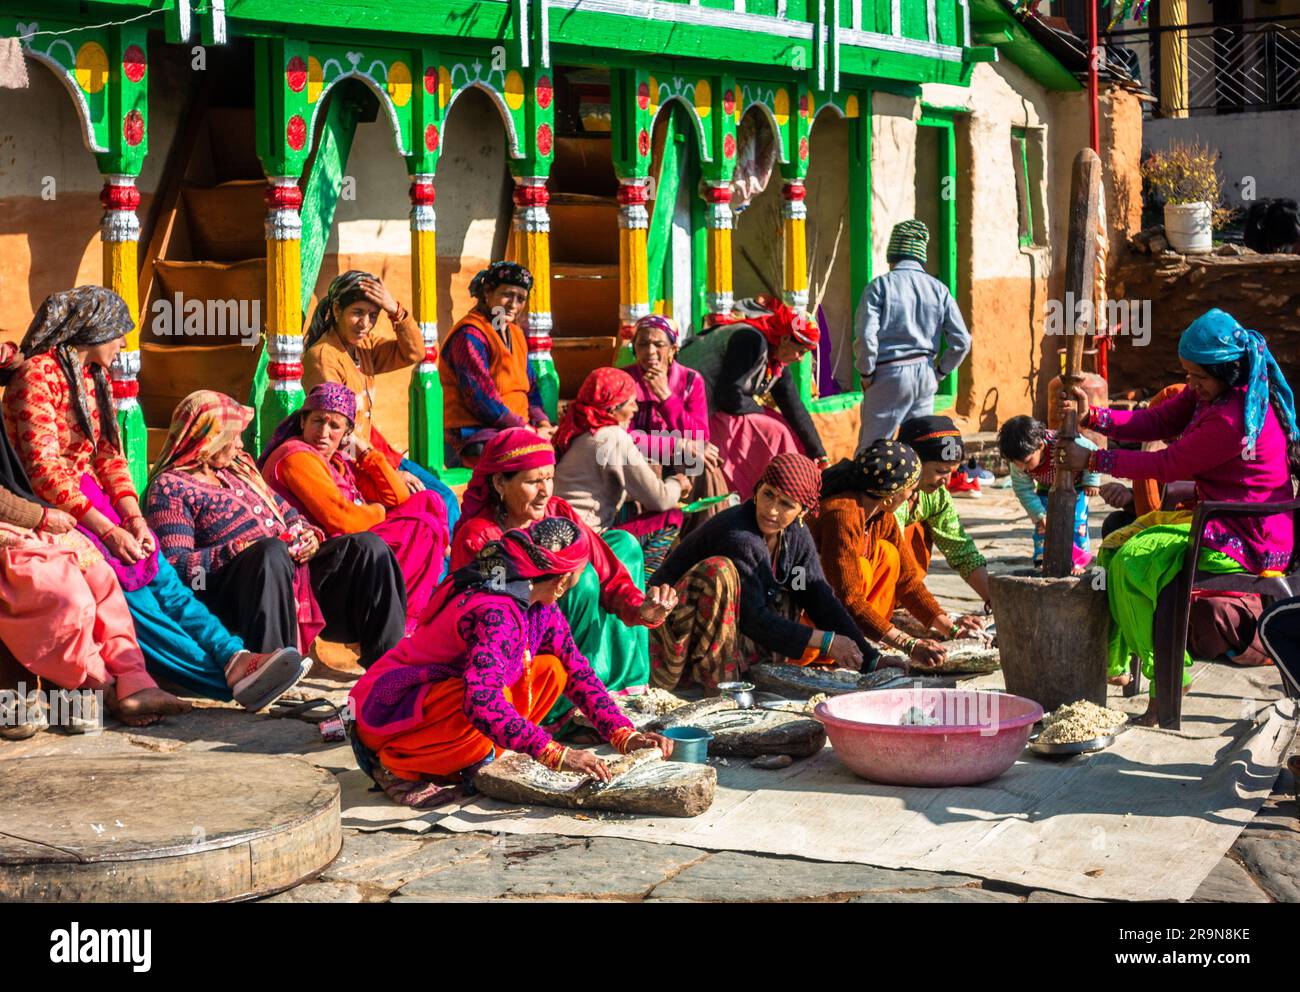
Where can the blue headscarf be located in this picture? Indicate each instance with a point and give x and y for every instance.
(1216, 337)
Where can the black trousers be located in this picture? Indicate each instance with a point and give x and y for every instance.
(356, 581)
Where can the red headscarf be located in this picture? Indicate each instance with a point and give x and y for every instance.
(602, 391)
(528, 552)
(780, 323)
(797, 476)
(513, 450)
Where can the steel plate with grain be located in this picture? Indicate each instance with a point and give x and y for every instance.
(1072, 748)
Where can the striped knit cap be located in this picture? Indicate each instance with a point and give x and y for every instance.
(908, 240)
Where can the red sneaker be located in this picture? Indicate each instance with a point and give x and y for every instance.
(961, 485)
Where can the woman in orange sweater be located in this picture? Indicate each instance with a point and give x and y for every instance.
(865, 558)
(343, 485)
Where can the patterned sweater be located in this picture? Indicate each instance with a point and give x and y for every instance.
(481, 637)
(467, 354)
(43, 428)
(201, 527)
(734, 534)
(937, 510)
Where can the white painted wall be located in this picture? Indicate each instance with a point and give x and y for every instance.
(1262, 146)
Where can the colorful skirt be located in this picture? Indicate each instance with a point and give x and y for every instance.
(617, 653)
(446, 742)
(698, 644)
(1140, 560)
(416, 532)
(63, 615)
(747, 443)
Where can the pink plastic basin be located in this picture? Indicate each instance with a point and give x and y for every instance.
(979, 736)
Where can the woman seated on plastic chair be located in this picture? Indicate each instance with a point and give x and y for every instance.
(1234, 434)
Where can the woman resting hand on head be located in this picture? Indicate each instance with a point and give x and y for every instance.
(253, 559)
(58, 411)
(487, 384)
(513, 486)
(1233, 433)
(487, 663)
(342, 345)
(343, 485)
(745, 580)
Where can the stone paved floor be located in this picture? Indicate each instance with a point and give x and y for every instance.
(1263, 866)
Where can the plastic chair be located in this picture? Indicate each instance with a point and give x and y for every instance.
(1174, 605)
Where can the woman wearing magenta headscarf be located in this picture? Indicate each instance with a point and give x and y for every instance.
(512, 487)
(487, 663)
(756, 410)
(604, 475)
(1233, 433)
(671, 428)
(343, 485)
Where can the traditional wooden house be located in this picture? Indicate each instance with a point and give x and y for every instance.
(637, 155)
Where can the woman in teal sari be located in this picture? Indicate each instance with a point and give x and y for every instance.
(1233, 433)
(607, 611)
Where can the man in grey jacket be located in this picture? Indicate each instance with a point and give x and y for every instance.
(903, 318)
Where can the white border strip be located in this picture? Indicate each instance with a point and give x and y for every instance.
(691, 14)
(908, 46)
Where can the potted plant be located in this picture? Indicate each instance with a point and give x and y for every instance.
(1185, 176)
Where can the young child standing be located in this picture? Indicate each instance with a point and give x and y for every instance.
(1029, 446)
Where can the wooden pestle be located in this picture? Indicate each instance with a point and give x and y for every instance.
(1080, 269)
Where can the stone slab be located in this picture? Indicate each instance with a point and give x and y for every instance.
(1275, 864)
(942, 895)
(749, 733)
(1229, 882)
(316, 892)
(730, 876)
(644, 784)
(163, 827)
(555, 868)
(373, 869)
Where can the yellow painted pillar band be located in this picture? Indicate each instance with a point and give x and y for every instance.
(1174, 95)
(719, 221)
(119, 231)
(424, 266)
(633, 261)
(284, 283)
(794, 222)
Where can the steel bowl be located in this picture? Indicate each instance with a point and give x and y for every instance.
(741, 693)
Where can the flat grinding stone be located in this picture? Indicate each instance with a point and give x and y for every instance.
(964, 656)
(749, 733)
(193, 827)
(644, 783)
(805, 681)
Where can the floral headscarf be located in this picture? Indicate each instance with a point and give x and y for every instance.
(203, 425)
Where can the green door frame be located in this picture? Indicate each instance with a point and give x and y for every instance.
(944, 241)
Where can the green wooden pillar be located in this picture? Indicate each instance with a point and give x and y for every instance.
(283, 138)
(534, 110)
(425, 391)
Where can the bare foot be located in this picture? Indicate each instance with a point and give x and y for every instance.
(146, 707)
(1124, 679)
(1149, 718)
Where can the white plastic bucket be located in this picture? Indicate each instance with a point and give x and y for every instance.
(1188, 228)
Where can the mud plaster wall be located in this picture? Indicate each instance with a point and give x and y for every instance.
(1120, 119)
(1000, 285)
(373, 231)
(52, 244)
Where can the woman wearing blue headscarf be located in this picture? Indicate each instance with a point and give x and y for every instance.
(1232, 431)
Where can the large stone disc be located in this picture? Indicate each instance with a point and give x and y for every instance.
(153, 827)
